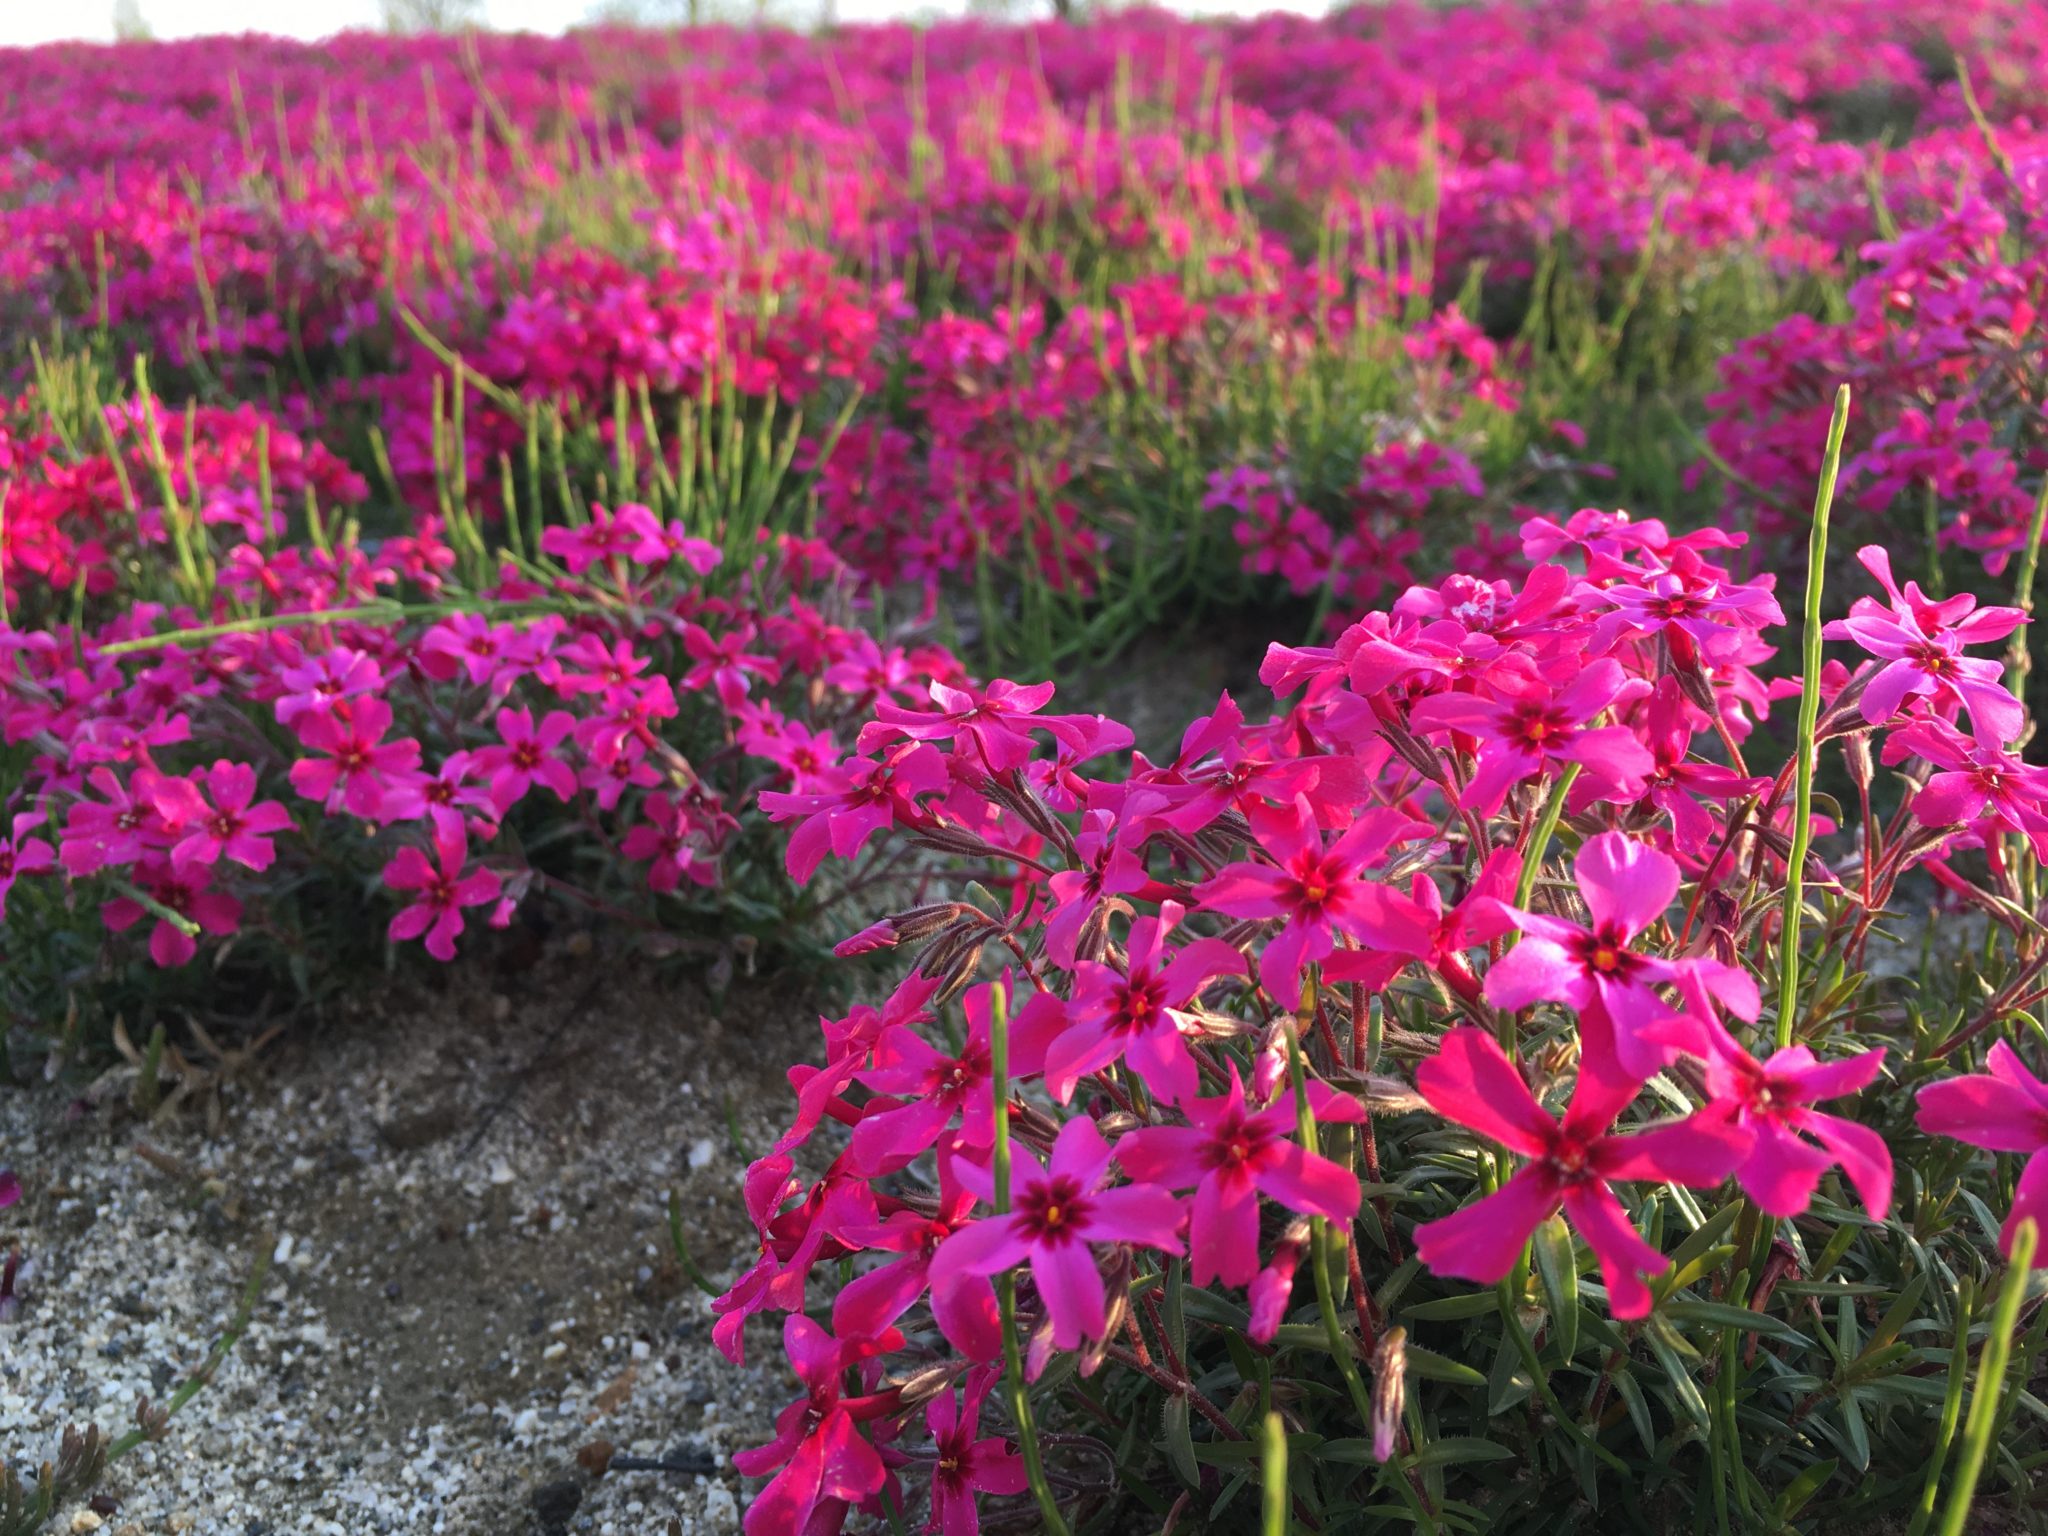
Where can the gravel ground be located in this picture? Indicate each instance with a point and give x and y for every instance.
(462, 1191)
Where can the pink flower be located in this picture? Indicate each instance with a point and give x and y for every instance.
(440, 892)
(352, 775)
(825, 1462)
(1571, 1165)
(928, 1088)
(1773, 1101)
(315, 686)
(1627, 886)
(2002, 1110)
(868, 795)
(1232, 1155)
(528, 755)
(1056, 1211)
(653, 544)
(1679, 781)
(1534, 725)
(184, 892)
(997, 722)
(1974, 782)
(1921, 644)
(965, 1311)
(1133, 1014)
(230, 827)
(724, 664)
(1319, 891)
(21, 854)
(664, 839)
(117, 831)
(967, 1465)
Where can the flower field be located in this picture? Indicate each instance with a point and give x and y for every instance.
(1571, 1046)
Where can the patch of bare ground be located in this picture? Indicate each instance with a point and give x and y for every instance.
(462, 1188)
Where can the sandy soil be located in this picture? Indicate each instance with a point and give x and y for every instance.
(463, 1193)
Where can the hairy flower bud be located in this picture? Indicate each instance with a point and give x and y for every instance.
(1389, 1391)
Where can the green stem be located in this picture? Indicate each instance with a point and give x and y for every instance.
(1546, 829)
(1006, 1283)
(2018, 660)
(1951, 1408)
(1541, 1379)
(1273, 1468)
(1809, 721)
(1341, 1349)
(1990, 1380)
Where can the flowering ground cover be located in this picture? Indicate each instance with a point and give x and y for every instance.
(1523, 1060)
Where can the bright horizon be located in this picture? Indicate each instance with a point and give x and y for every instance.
(26, 25)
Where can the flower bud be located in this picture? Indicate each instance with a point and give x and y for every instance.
(1272, 1287)
(1389, 1391)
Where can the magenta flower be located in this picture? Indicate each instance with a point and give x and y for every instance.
(21, 854)
(352, 775)
(1773, 1102)
(1691, 604)
(1571, 1165)
(229, 827)
(868, 795)
(2004, 1109)
(1319, 891)
(114, 831)
(184, 892)
(1627, 886)
(1107, 869)
(10, 1188)
(1231, 1155)
(653, 543)
(1534, 725)
(528, 754)
(663, 839)
(967, 1465)
(1134, 1014)
(1679, 782)
(1056, 1212)
(724, 664)
(965, 1311)
(997, 721)
(440, 890)
(825, 1463)
(1921, 644)
(1974, 782)
(318, 684)
(929, 1088)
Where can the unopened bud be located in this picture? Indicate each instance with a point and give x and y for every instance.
(1856, 750)
(1389, 1391)
(1273, 1286)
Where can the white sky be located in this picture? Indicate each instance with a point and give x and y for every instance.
(25, 22)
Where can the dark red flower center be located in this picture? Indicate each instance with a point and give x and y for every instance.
(1054, 1211)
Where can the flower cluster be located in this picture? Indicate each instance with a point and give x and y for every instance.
(603, 686)
(1204, 959)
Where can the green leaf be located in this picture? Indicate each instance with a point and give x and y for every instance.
(1804, 1487)
(1455, 1449)
(1431, 1366)
(1857, 1431)
(1720, 1314)
(1558, 1268)
(1179, 1442)
(1453, 1308)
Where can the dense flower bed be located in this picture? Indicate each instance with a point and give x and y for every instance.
(467, 475)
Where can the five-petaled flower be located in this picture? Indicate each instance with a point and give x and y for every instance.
(1572, 1164)
(1058, 1211)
